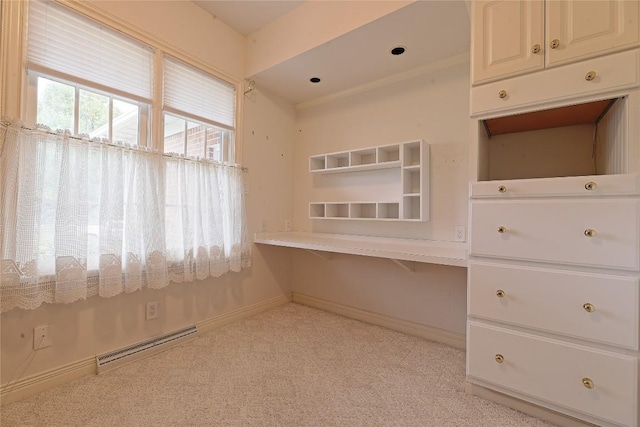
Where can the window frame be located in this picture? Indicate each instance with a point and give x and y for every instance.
(14, 84)
(144, 108)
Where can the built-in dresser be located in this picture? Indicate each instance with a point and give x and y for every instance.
(554, 252)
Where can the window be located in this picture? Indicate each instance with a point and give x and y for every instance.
(65, 105)
(84, 217)
(196, 139)
(86, 77)
(199, 113)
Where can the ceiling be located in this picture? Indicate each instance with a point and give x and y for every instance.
(430, 30)
(247, 16)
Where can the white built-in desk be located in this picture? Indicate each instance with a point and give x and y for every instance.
(401, 251)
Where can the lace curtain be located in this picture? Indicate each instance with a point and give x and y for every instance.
(80, 218)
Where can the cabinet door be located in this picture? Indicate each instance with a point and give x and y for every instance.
(583, 29)
(503, 38)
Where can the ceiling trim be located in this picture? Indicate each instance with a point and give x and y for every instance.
(405, 75)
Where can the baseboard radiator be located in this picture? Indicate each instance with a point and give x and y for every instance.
(144, 349)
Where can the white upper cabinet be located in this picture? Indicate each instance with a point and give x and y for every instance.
(507, 38)
(517, 37)
(582, 29)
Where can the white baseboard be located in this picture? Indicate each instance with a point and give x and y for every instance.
(37, 383)
(251, 310)
(532, 409)
(411, 328)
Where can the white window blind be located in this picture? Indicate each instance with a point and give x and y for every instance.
(187, 90)
(63, 41)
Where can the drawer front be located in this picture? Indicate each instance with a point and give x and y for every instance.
(554, 231)
(613, 72)
(580, 186)
(554, 371)
(556, 301)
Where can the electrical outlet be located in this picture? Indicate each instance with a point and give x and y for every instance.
(263, 225)
(152, 310)
(41, 337)
(287, 225)
(460, 234)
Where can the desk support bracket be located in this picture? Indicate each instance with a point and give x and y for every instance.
(324, 255)
(410, 266)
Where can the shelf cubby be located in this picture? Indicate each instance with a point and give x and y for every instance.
(317, 163)
(337, 210)
(389, 153)
(338, 160)
(411, 207)
(363, 157)
(316, 210)
(362, 210)
(411, 181)
(411, 154)
(388, 210)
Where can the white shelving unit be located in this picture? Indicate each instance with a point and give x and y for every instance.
(412, 161)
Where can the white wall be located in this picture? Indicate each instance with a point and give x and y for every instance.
(87, 328)
(433, 107)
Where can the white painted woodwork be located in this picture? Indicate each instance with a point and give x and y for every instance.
(555, 86)
(554, 231)
(410, 200)
(613, 153)
(552, 370)
(590, 28)
(503, 35)
(543, 187)
(552, 300)
(427, 251)
(575, 186)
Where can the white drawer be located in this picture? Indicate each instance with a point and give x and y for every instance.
(553, 301)
(554, 371)
(554, 231)
(580, 186)
(613, 72)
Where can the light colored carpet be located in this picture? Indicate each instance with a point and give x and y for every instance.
(291, 366)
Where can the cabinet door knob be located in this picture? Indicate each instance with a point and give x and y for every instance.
(502, 189)
(590, 185)
(500, 358)
(502, 94)
(588, 307)
(590, 76)
(500, 293)
(535, 48)
(502, 229)
(588, 383)
(589, 232)
(555, 43)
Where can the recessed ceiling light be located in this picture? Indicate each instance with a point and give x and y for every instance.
(398, 50)
(314, 79)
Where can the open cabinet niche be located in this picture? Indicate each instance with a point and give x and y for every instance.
(576, 140)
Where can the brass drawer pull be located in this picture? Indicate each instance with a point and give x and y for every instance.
(588, 383)
(535, 48)
(502, 229)
(555, 43)
(590, 76)
(589, 232)
(500, 293)
(500, 358)
(502, 189)
(502, 94)
(590, 185)
(588, 307)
